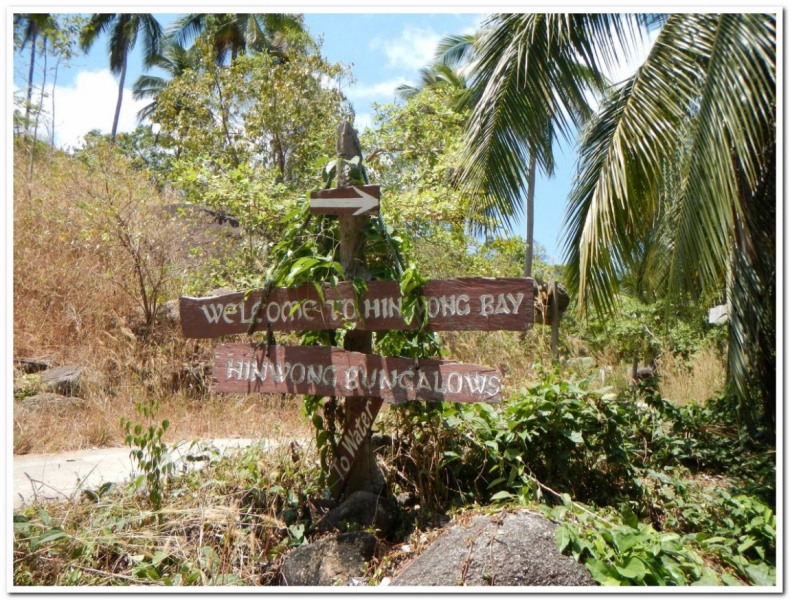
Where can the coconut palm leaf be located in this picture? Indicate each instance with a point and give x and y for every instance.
(532, 75)
(625, 148)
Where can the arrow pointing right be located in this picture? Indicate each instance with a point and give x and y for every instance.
(338, 201)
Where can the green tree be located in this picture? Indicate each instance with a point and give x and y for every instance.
(236, 33)
(27, 29)
(123, 29)
(273, 116)
(709, 89)
(708, 83)
(530, 78)
(174, 60)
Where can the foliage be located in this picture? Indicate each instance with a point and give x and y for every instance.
(619, 550)
(120, 216)
(149, 451)
(270, 115)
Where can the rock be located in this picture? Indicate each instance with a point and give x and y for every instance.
(169, 313)
(67, 380)
(29, 365)
(330, 561)
(362, 509)
(505, 549)
(50, 401)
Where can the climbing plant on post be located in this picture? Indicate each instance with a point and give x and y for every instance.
(365, 474)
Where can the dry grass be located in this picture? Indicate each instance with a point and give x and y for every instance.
(77, 300)
(703, 378)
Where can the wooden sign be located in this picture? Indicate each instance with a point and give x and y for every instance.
(354, 200)
(353, 437)
(470, 303)
(329, 371)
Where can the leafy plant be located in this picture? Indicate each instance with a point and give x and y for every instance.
(149, 452)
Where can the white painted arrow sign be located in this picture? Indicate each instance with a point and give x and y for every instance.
(354, 200)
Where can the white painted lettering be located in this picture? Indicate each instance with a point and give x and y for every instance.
(448, 305)
(439, 386)
(233, 370)
(344, 464)
(515, 302)
(374, 306)
(394, 307)
(216, 312)
(314, 373)
(310, 306)
(423, 383)
(486, 305)
(352, 378)
(272, 317)
(494, 385)
(388, 383)
(501, 306)
(350, 445)
(458, 381)
(476, 382)
(433, 307)
(297, 379)
(326, 380)
(257, 373)
(410, 384)
(363, 378)
(349, 311)
(465, 309)
(230, 309)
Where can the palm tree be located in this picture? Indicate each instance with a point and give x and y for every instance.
(527, 85)
(174, 60)
(123, 30)
(708, 89)
(709, 83)
(30, 26)
(237, 33)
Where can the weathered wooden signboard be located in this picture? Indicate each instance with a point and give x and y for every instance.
(329, 371)
(354, 200)
(470, 303)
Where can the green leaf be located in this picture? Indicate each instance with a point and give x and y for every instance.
(708, 578)
(634, 569)
(602, 573)
(761, 574)
(503, 495)
(563, 538)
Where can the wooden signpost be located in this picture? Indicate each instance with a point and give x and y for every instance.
(471, 303)
(354, 200)
(328, 371)
(364, 379)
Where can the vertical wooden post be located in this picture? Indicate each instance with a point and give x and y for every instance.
(555, 319)
(364, 474)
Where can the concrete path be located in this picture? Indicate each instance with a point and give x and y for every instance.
(64, 476)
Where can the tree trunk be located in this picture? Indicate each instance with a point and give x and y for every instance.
(38, 116)
(120, 98)
(54, 83)
(30, 77)
(530, 214)
(365, 474)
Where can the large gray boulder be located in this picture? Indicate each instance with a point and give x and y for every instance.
(361, 510)
(331, 561)
(68, 380)
(505, 549)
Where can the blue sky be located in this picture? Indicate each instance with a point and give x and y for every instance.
(383, 50)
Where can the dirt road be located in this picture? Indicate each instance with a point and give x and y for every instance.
(64, 476)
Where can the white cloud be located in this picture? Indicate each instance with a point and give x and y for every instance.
(375, 91)
(414, 49)
(363, 121)
(89, 103)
